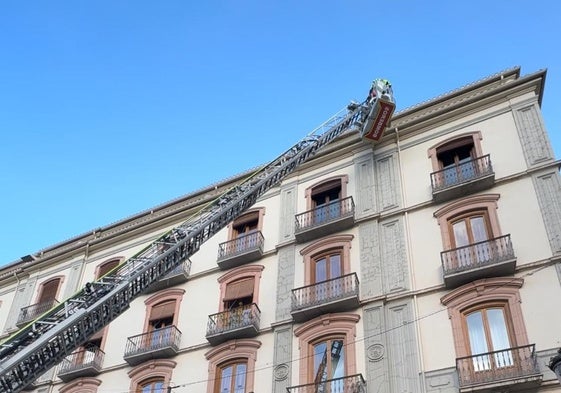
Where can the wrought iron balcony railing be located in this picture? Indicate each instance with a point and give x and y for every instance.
(85, 359)
(461, 173)
(325, 214)
(241, 245)
(486, 368)
(351, 384)
(325, 291)
(168, 337)
(234, 319)
(477, 255)
(29, 313)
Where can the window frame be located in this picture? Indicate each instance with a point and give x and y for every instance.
(341, 243)
(142, 384)
(247, 271)
(466, 206)
(230, 351)
(162, 368)
(448, 144)
(248, 216)
(81, 385)
(166, 295)
(328, 326)
(323, 186)
(40, 292)
(222, 366)
(482, 294)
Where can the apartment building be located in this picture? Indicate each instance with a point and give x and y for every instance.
(427, 262)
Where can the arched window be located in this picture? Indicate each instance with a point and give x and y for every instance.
(106, 267)
(48, 291)
(486, 316)
(152, 385)
(231, 366)
(455, 157)
(329, 190)
(81, 385)
(150, 376)
(327, 258)
(327, 347)
(240, 285)
(231, 377)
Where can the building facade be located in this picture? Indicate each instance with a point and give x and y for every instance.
(427, 262)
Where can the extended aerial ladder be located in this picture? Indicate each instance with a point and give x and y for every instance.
(43, 343)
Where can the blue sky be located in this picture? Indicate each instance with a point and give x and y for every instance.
(109, 108)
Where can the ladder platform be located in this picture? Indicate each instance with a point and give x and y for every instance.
(377, 120)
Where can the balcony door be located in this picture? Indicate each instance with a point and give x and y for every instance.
(456, 160)
(324, 201)
(327, 268)
(161, 319)
(467, 233)
(238, 299)
(488, 331)
(243, 228)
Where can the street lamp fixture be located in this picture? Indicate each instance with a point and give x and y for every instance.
(555, 365)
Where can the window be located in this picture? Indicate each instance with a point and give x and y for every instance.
(106, 267)
(327, 347)
(153, 385)
(455, 159)
(242, 232)
(152, 376)
(472, 228)
(486, 316)
(488, 332)
(328, 360)
(240, 287)
(327, 258)
(469, 220)
(232, 366)
(232, 377)
(81, 385)
(161, 315)
(323, 199)
(49, 291)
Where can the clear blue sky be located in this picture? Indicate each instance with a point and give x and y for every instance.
(108, 108)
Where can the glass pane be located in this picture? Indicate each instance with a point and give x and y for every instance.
(478, 229)
(477, 341)
(226, 380)
(241, 370)
(335, 266)
(321, 270)
(499, 337)
(320, 362)
(460, 233)
(337, 359)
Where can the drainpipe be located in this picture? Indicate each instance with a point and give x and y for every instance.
(411, 265)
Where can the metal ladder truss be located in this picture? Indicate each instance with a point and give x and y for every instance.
(40, 345)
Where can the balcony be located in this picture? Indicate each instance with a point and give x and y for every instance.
(30, 313)
(506, 370)
(157, 344)
(324, 220)
(334, 295)
(243, 249)
(177, 276)
(82, 363)
(351, 384)
(462, 179)
(240, 322)
(490, 258)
